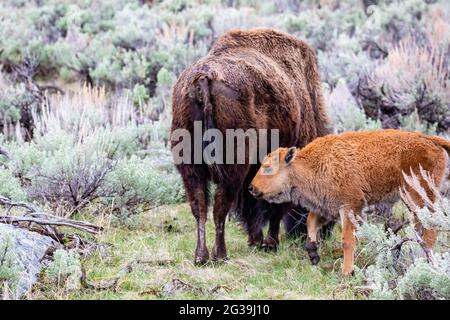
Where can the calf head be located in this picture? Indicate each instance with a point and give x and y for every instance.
(273, 179)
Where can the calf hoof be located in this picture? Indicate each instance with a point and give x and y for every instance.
(314, 259)
(311, 248)
(348, 274)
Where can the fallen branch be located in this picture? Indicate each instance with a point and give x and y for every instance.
(54, 221)
(43, 219)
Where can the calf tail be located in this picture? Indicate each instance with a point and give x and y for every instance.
(443, 143)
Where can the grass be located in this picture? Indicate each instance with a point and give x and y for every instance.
(168, 234)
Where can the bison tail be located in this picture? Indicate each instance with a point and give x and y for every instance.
(205, 97)
(204, 111)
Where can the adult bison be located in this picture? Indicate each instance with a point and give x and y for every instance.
(255, 79)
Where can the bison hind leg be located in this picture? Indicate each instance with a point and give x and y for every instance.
(223, 199)
(195, 182)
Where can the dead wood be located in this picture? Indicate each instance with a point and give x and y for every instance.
(112, 283)
(33, 215)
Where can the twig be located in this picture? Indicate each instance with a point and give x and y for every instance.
(395, 228)
(4, 153)
(384, 52)
(11, 203)
(425, 249)
(112, 283)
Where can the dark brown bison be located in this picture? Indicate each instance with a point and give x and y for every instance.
(260, 79)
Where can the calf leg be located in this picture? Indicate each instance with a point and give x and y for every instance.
(313, 225)
(429, 236)
(222, 204)
(348, 240)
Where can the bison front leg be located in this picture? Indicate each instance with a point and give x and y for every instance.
(313, 226)
(271, 241)
(197, 199)
(222, 204)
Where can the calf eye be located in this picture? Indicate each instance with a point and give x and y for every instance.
(267, 170)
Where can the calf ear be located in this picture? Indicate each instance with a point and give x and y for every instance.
(290, 154)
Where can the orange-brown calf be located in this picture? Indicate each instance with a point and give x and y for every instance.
(336, 176)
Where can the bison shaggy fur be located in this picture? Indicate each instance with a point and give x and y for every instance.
(255, 79)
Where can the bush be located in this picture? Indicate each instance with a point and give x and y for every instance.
(10, 266)
(91, 148)
(16, 103)
(71, 179)
(345, 114)
(65, 269)
(411, 79)
(404, 268)
(145, 182)
(10, 186)
(427, 282)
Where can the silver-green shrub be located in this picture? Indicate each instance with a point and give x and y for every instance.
(65, 269)
(403, 267)
(345, 113)
(10, 266)
(10, 186)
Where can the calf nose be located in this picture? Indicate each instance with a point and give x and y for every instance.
(255, 192)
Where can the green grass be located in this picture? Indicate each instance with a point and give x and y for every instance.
(168, 234)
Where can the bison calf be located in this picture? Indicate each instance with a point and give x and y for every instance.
(337, 175)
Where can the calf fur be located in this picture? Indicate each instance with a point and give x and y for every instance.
(336, 176)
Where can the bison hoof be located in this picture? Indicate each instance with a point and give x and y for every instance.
(200, 261)
(253, 244)
(219, 255)
(219, 258)
(255, 240)
(201, 257)
(269, 246)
